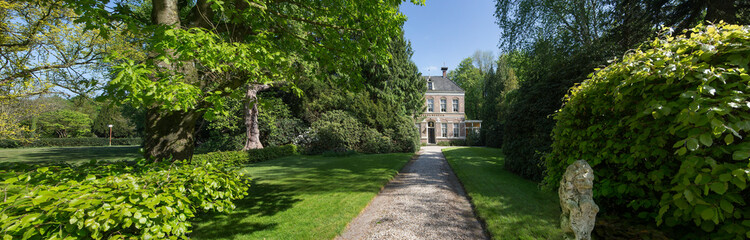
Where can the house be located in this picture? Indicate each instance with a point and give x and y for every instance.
(444, 119)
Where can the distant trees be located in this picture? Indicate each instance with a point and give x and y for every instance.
(487, 82)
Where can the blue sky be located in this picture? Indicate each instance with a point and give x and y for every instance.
(447, 31)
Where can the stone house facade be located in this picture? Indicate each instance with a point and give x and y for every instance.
(444, 118)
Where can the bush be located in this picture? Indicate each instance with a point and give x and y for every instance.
(251, 156)
(69, 142)
(218, 142)
(404, 135)
(268, 153)
(457, 142)
(665, 130)
(339, 153)
(335, 130)
(374, 142)
(115, 201)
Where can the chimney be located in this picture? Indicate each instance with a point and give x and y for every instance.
(445, 71)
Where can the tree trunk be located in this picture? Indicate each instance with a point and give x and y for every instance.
(251, 116)
(170, 134)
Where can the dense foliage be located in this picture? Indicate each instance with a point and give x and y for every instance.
(665, 130)
(115, 201)
(68, 142)
(251, 156)
(339, 131)
(65, 123)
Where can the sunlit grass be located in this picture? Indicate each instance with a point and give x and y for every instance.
(303, 197)
(512, 207)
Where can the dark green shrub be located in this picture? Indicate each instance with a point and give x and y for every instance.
(405, 137)
(251, 156)
(457, 142)
(339, 153)
(218, 142)
(69, 142)
(268, 153)
(374, 142)
(115, 201)
(335, 130)
(444, 143)
(665, 130)
(473, 139)
(9, 143)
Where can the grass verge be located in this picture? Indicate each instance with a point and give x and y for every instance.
(511, 207)
(303, 197)
(72, 155)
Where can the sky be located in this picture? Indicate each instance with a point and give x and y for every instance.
(444, 32)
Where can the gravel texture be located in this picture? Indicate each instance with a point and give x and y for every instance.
(425, 201)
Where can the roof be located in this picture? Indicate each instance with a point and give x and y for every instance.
(442, 84)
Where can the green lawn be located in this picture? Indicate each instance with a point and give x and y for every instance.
(303, 197)
(72, 155)
(512, 207)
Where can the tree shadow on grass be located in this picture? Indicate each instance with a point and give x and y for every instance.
(71, 155)
(510, 205)
(263, 200)
(278, 185)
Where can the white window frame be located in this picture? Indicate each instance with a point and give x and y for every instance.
(444, 129)
(456, 131)
(430, 105)
(455, 105)
(443, 105)
(429, 86)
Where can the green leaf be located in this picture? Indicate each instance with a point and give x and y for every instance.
(740, 155)
(708, 214)
(681, 151)
(719, 187)
(692, 144)
(726, 206)
(706, 139)
(729, 139)
(725, 177)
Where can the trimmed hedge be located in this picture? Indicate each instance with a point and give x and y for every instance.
(666, 132)
(114, 201)
(251, 156)
(69, 142)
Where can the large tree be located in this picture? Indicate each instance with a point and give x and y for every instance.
(203, 50)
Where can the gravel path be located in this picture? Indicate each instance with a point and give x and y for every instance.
(425, 201)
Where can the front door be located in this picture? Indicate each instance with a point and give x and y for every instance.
(431, 132)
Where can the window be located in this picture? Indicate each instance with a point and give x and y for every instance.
(444, 129)
(430, 105)
(455, 130)
(442, 105)
(429, 85)
(455, 105)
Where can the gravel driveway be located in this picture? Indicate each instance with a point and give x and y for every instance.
(425, 201)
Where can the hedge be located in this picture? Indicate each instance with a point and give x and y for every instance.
(69, 142)
(666, 132)
(251, 156)
(114, 201)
